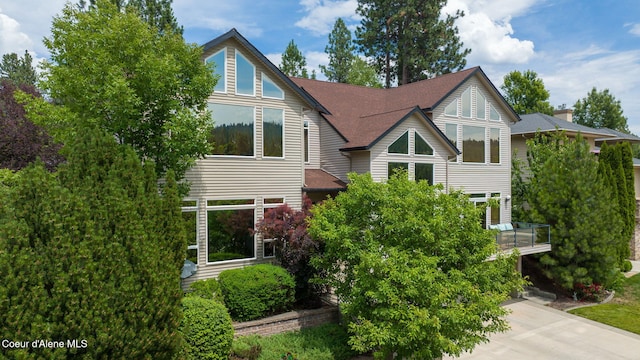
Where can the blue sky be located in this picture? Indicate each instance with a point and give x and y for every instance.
(573, 45)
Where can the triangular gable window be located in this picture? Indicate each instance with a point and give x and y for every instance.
(452, 109)
(270, 89)
(421, 146)
(493, 113)
(400, 146)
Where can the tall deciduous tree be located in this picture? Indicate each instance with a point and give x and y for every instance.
(363, 74)
(147, 89)
(526, 94)
(408, 263)
(340, 51)
(18, 70)
(410, 40)
(157, 13)
(21, 141)
(600, 109)
(567, 192)
(91, 254)
(293, 63)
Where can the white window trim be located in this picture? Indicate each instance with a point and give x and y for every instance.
(486, 146)
(283, 134)
(306, 148)
(408, 145)
(229, 207)
(499, 146)
(264, 76)
(433, 150)
(496, 110)
(255, 138)
(195, 209)
(478, 92)
(223, 75)
(253, 67)
(469, 89)
(433, 173)
(264, 208)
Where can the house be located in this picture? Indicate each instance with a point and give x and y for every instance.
(276, 138)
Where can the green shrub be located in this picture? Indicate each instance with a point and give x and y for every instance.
(627, 266)
(206, 289)
(246, 347)
(206, 328)
(257, 291)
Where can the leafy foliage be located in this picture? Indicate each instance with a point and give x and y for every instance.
(294, 248)
(566, 191)
(340, 50)
(408, 263)
(92, 252)
(257, 291)
(293, 63)
(21, 141)
(389, 31)
(19, 71)
(207, 329)
(526, 94)
(157, 13)
(600, 109)
(363, 74)
(206, 289)
(147, 89)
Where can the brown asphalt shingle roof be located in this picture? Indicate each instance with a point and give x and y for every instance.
(362, 115)
(320, 180)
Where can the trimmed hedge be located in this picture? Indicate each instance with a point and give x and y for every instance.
(257, 291)
(206, 328)
(206, 289)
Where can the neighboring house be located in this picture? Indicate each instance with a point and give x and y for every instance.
(276, 138)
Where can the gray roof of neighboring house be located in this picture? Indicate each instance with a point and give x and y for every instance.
(532, 123)
(617, 135)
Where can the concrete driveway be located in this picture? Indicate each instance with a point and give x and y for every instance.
(539, 332)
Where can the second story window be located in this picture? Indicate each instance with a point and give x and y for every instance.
(270, 89)
(233, 129)
(272, 132)
(245, 76)
(219, 61)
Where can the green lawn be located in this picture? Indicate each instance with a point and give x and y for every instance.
(622, 312)
(325, 342)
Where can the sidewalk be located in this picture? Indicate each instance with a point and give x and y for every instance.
(635, 269)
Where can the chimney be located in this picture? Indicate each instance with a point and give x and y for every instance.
(564, 114)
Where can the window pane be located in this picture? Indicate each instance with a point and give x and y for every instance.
(272, 132)
(495, 214)
(233, 128)
(421, 146)
(306, 141)
(191, 229)
(245, 75)
(400, 146)
(494, 145)
(270, 89)
(481, 112)
(493, 113)
(392, 167)
(424, 172)
(466, 103)
(219, 62)
(451, 131)
(229, 234)
(268, 248)
(452, 109)
(473, 144)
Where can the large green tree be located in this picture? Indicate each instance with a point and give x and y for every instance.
(340, 50)
(157, 13)
(293, 62)
(18, 70)
(410, 40)
(146, 88)
(567, 191)
(525, 92)
(91, 253)
(600, 109)
(363, 74)
(408, 263)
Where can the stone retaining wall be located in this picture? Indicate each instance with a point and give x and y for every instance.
(293, 320)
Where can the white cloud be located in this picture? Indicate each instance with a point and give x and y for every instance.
(322, 14)
(635, 29)
(486, 30)
(12, 39)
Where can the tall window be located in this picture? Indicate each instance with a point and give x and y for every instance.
(219, 61)
(229, 229)
(495, 209)
(400, 146)
(473, 144)
(451, 131)
(273, 132)
(480, 200)
(270, 89)
(421, 145)
(494, 146)
(466, 103)
(424, 172)
(481, 104)
(233, 129)
(268, 245)
(245, 76)
(190, 216)
(306, 141)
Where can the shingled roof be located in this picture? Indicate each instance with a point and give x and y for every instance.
(363, 115)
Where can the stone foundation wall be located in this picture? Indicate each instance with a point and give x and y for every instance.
(290, 321)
